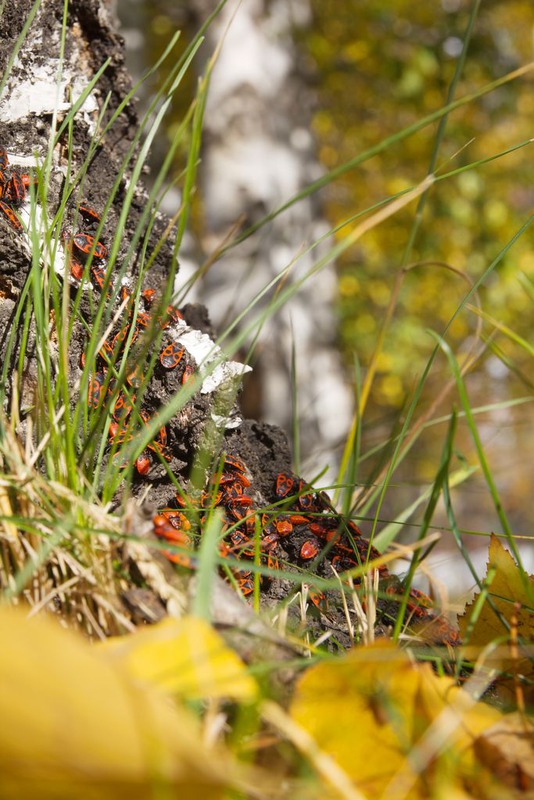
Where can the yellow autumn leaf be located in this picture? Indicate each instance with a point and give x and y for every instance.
(186, 657)
(509, 606)
(391, 725)
(75, 726)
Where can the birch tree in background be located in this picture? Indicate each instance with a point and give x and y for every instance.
(259, 153)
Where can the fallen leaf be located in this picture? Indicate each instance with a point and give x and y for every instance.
(75, 725)
(391, 725)
(185, 657)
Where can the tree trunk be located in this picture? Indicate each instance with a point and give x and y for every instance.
(258, 153)
(39, 92)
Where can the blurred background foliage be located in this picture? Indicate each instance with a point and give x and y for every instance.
(375, 68)
(380, 67)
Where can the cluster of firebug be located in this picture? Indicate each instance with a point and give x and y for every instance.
(305, 511)
(172, 355)
(172, 526)
(321, 533)
(84, 245)
(13, 191)
(121, 431)
(341, 540)
(227, 490)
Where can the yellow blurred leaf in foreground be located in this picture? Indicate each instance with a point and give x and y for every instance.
(75, 726)
(393, 726)
(183, 656)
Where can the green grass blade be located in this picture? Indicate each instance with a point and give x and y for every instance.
(384, 145)
(18, 44)
(390, 531)
(481, 455)
(460, 63)
(434, 495)
(208, 560)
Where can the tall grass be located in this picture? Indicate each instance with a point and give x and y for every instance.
(60, 479)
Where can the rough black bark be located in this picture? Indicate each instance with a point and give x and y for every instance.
(26, 120)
